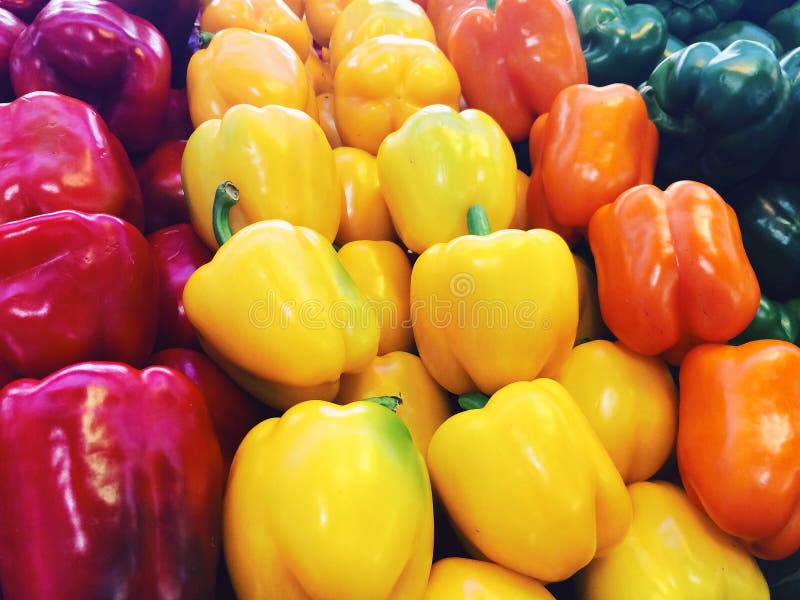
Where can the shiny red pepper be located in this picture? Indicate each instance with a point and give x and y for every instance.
(58, 154)
(10, 28)
(162, 189)
(110, 486)
(74, 287)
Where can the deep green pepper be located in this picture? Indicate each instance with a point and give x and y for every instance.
(727, 33)
(720, 114)
(686, 18)
(783, 577)
(673, 45)
(785, 25)
(759, 11)
(621, 43)
(784, 163)
(773, 321)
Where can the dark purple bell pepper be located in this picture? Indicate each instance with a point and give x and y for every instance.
(24, 9)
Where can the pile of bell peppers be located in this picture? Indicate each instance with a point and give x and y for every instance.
(399, 299)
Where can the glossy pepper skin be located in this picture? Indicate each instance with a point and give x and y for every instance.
(290, 174)
(725, 34)
(773, 321)
(177, 253)
(671, 269)
(120, 496)
(555, 498)
(785, 26)
(621, 43)
(87, 170)
(162, 189)
(439, 164)
(513, 62)
(384, 81)
(10, 28)
(688, 18)
(738, 441)
(349, 516)
(672, 550)
(95, 51)
(425, 404)
(696, 98)
(322, 16)
(445, 13)
(465, 579)
(25, 10)
(597, 142)
(75, 287)
(783, 161)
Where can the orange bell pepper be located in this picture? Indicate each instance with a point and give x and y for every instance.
(739, 441)
(671, 269)
(322, 16)
(514, 61)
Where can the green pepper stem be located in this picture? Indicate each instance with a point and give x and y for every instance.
(225, 197)
(473, 400)
(205, 38)
(478, 221)
(390, 402)
(491, 4)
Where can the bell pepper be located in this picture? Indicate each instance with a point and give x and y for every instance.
(783, 577)
(327, 120)
(178, 121)
(785, 26)
(444, 14)
(244, 67)
(319, 67)
(439, 164)
(119, 496)
(672, 550)
(384, 81)
(10, 28)
(520, 218)
(522, 305)
(590, 321)
(162, 189)
(697, 96)
(264, 16)
(95, 51)
(233, 412)
(25, 10)
(596, 143)
(366, 19)
(527, 482)
(673, 45)
(321, 16)
(365, 215)
(630, 400)
(783, 162)
(686, 18)
(58, 154)
(621, 43)
(277, 310)
(75, 287)
(759, 11)
(671, 269)
(739, 439)
(329, 502)
(773, 321)
(277, 157)
(424, 404)
(725, 34)
(513, 62)
(382, 272)
(462, 578)
(177, 253)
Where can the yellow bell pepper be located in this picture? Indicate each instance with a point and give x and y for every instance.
(490, 310)
(425, 405)
(590, 320)
(296, 6)
(382, 271)
(672, 550)
(329, 502)
(365, 215)
(327, 120)
(465, 579)
(520, 218)
(243, 67)
(321, 73)
(362, 20)
(278, 310)
(322, 16)
(263, 16)
(278, 158)
(527, 482)
(437, 165)
(630, 400)
(384, 81)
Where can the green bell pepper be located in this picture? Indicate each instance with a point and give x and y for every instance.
(784, 162)
(720, 114)
(724, 35)
(686, 18)
(785, 26)
(673, 45)
(773, 321)
(621, 43)
(759, 11)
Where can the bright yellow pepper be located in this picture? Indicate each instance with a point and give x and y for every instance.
(327, 120)
(630, 400)
(321, 73)
(672, 551)
(465, 579)
(365, 215)
(279, 159)
(494, 309)
(296, 6)
(425, 405)
(322, 16)
(382, 271)
(362, 20)
(520, 218)
(527, 482)
(263, 16)
(278, 310)
(437, 165)
(590, 320)
(329, 502)
(384, 81)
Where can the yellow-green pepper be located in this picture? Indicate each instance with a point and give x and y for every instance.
(465, 579)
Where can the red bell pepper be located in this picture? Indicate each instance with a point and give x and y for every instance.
(95, 51)
(444, 14)
(178, 122)
(177, 252)
(110, 486)
(162, 189)
(74, 287)
(10, 28)
(58, 154)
